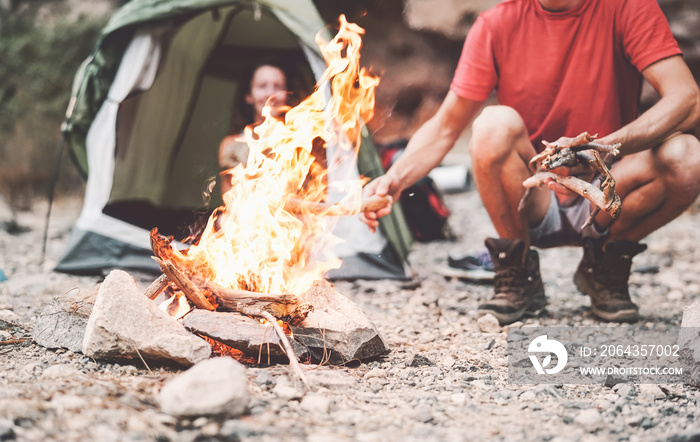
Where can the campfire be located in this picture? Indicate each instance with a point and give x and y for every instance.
(262, 256)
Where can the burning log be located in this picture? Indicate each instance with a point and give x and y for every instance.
(371, 204)
(156, 287)
(285, 306)
(184, 283)
(282, 306)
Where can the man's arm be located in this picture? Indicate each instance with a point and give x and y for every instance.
(678, 109)
(427, 147)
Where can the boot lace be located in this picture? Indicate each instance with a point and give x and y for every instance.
(614, 279)
(509, 280)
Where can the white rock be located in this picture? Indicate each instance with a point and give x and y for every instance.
(528, 395)
(674, 295)
(126, 323)
(652, 390)
(315, 404)
(488, 324)
(458, 398)
(59, 371)
(448, 362)
(9, 316)
(68, 402)
(331, 379)
(215, 386)
(590, 420)
(375, 373)
(286, 392)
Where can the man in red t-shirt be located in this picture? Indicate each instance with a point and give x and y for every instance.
(559, 68)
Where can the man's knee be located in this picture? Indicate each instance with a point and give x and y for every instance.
(495, 132)
(678, 160)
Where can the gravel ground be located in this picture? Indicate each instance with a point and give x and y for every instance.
(443, 380)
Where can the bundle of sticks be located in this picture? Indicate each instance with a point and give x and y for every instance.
(581, 150)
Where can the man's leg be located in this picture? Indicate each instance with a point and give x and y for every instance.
(500, 151)
(656, 186)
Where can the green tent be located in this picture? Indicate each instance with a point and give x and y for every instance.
(150, 107)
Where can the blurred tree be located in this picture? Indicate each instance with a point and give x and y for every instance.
(36, 72)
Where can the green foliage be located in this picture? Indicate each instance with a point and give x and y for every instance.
(36, 73)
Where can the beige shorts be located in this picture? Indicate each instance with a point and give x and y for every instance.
(561, 226)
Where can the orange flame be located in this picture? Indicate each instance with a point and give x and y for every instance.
(253, 242)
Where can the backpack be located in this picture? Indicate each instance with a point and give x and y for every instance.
(423, 205)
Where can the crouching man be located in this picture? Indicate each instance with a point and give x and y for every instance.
(560, 68)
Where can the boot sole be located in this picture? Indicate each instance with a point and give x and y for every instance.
(629, 315)
(619, 316)
(535, 308)
(503, 318)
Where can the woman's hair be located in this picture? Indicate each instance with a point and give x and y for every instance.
(244, 113)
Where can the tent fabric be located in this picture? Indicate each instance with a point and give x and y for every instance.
(149, 108)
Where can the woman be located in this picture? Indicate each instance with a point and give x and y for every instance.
(266, 84)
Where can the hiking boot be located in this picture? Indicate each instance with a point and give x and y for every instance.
(603, 276)
(518, 285)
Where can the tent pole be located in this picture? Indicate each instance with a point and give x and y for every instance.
(52, 191)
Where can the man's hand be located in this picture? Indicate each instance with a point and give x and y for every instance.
(384, 185)
(581, 170)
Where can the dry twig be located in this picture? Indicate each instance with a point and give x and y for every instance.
(581, 149)
(293, 361)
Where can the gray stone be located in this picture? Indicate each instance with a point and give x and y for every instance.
(126, 323)
(331, 379)
(337, 330)
(690, 435)
(689, 342)
(240, 332)
(264, 378)
(6, 429)
(62, 323)
(215, 386)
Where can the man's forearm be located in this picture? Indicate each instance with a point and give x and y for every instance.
(425, 151)
(668, 116)
(677, 111)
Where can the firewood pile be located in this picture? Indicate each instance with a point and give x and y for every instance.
(580, 150)
(320, 325)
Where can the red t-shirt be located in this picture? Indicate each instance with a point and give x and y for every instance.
(566, 72)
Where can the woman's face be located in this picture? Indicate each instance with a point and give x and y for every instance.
(267, 81)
